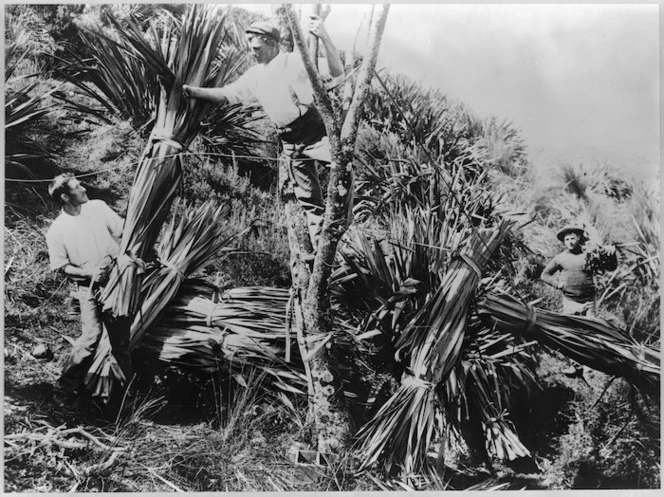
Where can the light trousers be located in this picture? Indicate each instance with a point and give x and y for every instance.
(574, 308)
(79, 359)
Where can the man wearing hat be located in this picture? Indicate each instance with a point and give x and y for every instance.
(575, 281)
(280, 84)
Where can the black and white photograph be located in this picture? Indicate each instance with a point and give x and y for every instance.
(331, 247)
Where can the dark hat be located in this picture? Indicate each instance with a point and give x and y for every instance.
(570, 228)
(264, 28)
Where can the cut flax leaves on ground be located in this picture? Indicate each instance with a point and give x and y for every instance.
(592, 342)
(191, 241)
(245, 327)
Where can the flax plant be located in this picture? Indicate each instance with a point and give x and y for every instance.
(199, 51)
(119, 83)
(429, 211)
(401, 432)
(26, 107)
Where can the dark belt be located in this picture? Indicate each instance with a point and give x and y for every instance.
(305, 130)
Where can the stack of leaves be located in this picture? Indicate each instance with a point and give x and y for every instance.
(494, 368)
(592, 342)
(247, 327)
(190, 242)
(177, 53)
(502, 440)
(401, 432)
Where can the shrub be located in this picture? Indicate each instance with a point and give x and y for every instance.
(612, 442)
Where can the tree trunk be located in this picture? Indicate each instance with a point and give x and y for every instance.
(311, 289)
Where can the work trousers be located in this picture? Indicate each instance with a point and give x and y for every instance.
(305, 145)
(80, 358)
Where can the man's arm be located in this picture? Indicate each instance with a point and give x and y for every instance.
(214, 95)
(92, 272)
(317, 28)
(78, 272)
(59, 261)
(114, 222)
(548, 273)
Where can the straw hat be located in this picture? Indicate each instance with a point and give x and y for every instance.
(570, 228)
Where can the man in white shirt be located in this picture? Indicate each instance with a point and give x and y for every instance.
(82, 241)
(281, 85)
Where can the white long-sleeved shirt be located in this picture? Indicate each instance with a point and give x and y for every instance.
(84, 240)
(281, 87)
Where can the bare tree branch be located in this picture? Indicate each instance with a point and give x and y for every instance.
(349, 130)
(331, 422)
(313, 40)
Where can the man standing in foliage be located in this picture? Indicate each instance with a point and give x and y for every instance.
(280, 84)
(575, 281)
(575, 276)
(81, 243)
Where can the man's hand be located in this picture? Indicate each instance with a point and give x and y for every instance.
(316, 27)
(101, 273)
(609, 249)
(214, 95)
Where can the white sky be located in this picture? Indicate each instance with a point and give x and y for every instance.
(570, 76)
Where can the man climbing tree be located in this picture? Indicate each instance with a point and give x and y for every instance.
(280, 84)
(311, 305)
(287, 86)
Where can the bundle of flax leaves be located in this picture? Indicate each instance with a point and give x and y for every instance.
(402, 430)
(190, 242)
(245, 327)
(178, 53)
(592, 342)
(501, 438)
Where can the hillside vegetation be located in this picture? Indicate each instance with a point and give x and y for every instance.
(427, 170)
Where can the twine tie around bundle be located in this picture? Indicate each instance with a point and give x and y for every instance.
(532, 319)
(167, 140)
(417, 382)
(174, 268)
(473, 265)
(127, 259)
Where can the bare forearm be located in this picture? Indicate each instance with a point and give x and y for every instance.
(317, 28)
(214, 95)
(332, 56)
(77, 271)
(548, 277)
(88, 270)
